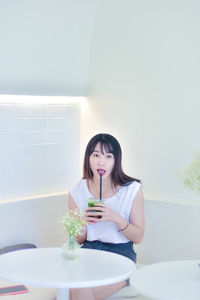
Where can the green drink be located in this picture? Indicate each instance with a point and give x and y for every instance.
(91, 203)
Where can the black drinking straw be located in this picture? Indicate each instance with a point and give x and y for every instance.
(100, 186)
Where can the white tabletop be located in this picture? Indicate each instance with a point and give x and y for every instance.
(45, 267)
(175, 280)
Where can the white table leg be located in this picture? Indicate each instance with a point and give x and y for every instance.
(62, 294)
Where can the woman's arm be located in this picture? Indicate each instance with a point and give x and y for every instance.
(135, 229)
(72, 206)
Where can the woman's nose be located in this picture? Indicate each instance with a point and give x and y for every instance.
(101, 161)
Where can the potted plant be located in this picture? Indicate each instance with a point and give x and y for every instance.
(73, 224)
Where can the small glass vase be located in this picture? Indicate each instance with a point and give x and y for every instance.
(71, 249)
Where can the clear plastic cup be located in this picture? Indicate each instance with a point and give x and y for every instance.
(91, 202)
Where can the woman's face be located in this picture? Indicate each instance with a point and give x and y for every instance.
(101, 162)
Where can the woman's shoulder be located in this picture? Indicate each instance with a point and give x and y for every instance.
(132, 187)
(134, 184)
(78, 187)
(79, 193)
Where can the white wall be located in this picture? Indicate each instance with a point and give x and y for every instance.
(45, 50)
(144, 89)
(39, 145)
(45, 46)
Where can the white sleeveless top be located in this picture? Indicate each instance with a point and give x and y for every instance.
(121, 202)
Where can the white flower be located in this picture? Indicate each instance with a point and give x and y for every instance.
(73, 223)
(191, 175)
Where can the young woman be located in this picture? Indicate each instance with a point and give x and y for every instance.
(122, 213)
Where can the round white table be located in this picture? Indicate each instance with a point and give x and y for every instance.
(46, 267)
(171, 280)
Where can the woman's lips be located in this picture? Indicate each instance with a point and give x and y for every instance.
(101, 171)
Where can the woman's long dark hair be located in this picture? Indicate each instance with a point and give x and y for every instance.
(111, 145)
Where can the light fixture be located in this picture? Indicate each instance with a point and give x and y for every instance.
(40, 100)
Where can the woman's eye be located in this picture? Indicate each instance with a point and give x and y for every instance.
(95, 154)
(109, 156)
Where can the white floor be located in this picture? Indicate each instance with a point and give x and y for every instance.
(140, 297)
(128, 293)
(36, 293)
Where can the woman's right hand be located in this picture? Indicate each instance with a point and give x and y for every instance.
(87, 217)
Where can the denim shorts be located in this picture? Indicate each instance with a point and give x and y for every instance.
(125, 249)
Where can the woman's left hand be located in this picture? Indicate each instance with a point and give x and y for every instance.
(106, 213)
